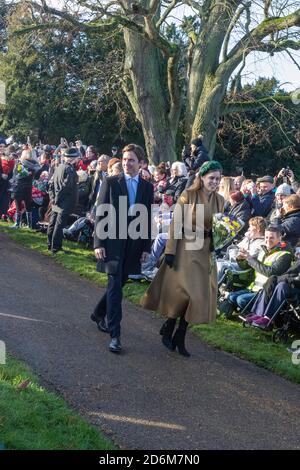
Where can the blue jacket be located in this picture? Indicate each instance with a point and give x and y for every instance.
(262, 205)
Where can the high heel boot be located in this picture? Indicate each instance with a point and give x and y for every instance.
(166, 332)
(178, 338)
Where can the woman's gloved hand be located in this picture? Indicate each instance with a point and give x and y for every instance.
(169, 260)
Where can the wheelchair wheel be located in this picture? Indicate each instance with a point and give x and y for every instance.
(280, 336)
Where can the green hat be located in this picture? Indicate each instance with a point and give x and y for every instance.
(211, 165)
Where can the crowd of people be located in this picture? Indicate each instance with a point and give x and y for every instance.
(59, 188)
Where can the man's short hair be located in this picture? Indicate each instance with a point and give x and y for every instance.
(274, 229)
(136, 149)
(293, 201)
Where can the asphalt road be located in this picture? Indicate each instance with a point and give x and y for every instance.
(148, 397)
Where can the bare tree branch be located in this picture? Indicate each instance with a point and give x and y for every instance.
(242, 106)
(233, 23)
(153, 35)
(174, 92)
(267, 4)
(278, 46)
(292, 58)
(253, 40)
(92, 26)
(166, 13)
(194, 4)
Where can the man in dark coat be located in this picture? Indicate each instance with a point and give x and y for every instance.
(262, 203)
(118, 250)
(240, 207)
(289, 223)
(63, 194)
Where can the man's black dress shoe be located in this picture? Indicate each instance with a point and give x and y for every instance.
(115, 345)
(101, 324)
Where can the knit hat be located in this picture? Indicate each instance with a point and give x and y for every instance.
(237, 196)
(284, 189)
(211, 165)
(196, 142)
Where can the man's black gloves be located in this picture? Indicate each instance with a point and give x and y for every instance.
(169, 260)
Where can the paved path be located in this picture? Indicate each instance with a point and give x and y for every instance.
(147, 398)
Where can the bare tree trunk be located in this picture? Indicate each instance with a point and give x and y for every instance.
(145, 90)
(216, 19)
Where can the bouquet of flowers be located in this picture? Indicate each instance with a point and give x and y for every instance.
(224, 229)
(21, 171)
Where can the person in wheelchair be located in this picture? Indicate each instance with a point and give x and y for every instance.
(273, 296)
(274, 259)
(252, 242)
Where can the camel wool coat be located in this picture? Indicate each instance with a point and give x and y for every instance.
(189, 288)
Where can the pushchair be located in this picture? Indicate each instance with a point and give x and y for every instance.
(286, 319)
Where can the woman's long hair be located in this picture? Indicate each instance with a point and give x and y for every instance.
(197, 184)
(227, 183)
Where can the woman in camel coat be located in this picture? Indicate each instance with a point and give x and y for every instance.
(186, 283)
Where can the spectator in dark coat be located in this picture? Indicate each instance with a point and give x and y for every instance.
(262, 203)
(63, 192)
(24, 171)
(240, 207)
(289, 223)
(177, 182)
(196, 155)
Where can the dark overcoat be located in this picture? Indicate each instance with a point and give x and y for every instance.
(63, 189)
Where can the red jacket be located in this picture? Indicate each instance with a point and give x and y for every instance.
(6, 166)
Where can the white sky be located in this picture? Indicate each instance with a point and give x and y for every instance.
(258, 64)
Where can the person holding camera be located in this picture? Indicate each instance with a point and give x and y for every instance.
(195, 154)
(288, 177)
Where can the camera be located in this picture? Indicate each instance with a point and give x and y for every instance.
(186, 151)
(285, 172)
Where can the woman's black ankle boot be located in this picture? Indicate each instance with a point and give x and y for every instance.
(178, 338)
(167, 331)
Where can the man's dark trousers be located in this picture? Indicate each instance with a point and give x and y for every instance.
(110, 304)
(57, 222)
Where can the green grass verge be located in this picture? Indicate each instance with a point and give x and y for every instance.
(230, 336)
(32, 418)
